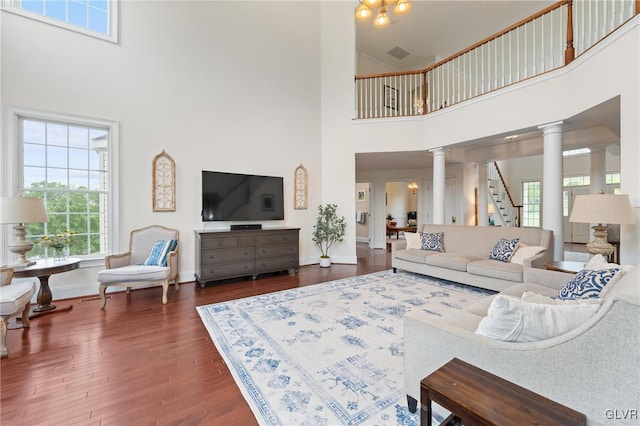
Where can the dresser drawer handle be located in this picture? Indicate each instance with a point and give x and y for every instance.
(219, 243)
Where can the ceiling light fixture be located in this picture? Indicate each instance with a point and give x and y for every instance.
(365, 10)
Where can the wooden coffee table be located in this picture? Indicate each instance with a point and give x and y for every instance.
(477, 397)
(397, 230)
(565, 266)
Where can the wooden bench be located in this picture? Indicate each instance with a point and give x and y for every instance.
(476, 397)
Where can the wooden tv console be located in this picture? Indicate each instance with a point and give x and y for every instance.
(231, 254)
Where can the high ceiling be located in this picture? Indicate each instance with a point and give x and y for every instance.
(435, 30)
(439, 29)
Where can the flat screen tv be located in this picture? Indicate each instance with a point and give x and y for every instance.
(241, 197)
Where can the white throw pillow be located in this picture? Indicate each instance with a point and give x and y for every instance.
(598, 262)
(512, 320)
(413, 240)
(524, 252)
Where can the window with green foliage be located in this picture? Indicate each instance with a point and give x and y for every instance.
(531, 192)
(67, 164)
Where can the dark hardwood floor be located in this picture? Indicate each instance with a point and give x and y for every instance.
(138, 362)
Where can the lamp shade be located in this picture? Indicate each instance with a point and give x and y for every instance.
(22, 210)
(602, 208)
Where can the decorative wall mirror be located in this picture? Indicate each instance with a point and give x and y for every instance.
(300, 198)
(164, 183)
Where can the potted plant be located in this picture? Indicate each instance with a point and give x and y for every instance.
(328, 230)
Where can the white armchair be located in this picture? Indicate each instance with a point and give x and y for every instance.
(15, 298)
(152, 258)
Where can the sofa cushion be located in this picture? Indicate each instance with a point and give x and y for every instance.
(132, 273)
(432, 241)
(496, 269)
(503, 249)
(533, 297)
(15, 296)
(450, 261)
(510, 319)
(413, 255)
(588, 283)
(524, 251)
(517, 290)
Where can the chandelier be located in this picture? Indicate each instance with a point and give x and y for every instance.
(366, 8)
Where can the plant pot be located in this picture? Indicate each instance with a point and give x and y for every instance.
(325, 262)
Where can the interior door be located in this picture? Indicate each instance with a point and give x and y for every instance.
(574, 232)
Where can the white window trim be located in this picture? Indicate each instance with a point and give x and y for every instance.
(12, 161)
(12, 6)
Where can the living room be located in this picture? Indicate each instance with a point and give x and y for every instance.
(219, 87)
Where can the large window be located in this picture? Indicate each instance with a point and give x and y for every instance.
(92, 17)
(531, 203)
(68, 162)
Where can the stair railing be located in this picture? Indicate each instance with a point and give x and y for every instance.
(506, 211)
(538, 44)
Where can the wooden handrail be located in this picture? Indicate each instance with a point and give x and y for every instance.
(480, 43)
(498, 34)
(389, 74)
(506, 188)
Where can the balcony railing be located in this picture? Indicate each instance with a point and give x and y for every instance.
(547, 40)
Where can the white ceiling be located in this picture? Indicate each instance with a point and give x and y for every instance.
(439, 29)
(435, 30)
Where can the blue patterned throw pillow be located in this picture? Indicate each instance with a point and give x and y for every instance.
(160, 252)
(504, 249)
(432, 241)
(587, 284)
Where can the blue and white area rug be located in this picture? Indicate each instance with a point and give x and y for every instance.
(328, 354)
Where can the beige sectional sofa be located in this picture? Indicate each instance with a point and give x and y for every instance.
(466, 250)
(594, 368)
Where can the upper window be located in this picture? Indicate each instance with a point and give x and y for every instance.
(92, 17)
(68, 163)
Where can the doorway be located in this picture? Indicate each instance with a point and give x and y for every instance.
(401, 207)
(363, 213)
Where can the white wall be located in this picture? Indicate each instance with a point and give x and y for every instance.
(215, 84)
(519, 170)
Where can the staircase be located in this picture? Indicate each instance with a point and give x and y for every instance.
(506, 212)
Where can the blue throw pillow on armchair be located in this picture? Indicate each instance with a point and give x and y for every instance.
(160, 252)
(504, 249)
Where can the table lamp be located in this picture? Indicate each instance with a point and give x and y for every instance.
(602, 209)
(18, 211)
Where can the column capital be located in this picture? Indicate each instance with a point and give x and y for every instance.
(556, 126)
(437, 151)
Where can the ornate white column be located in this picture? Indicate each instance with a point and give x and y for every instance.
(598, 170)
(483, 195)
(552, 185)
(438, 185)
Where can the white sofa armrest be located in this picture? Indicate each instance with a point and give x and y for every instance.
(397, 245)
(547, 278)
(581, 369)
